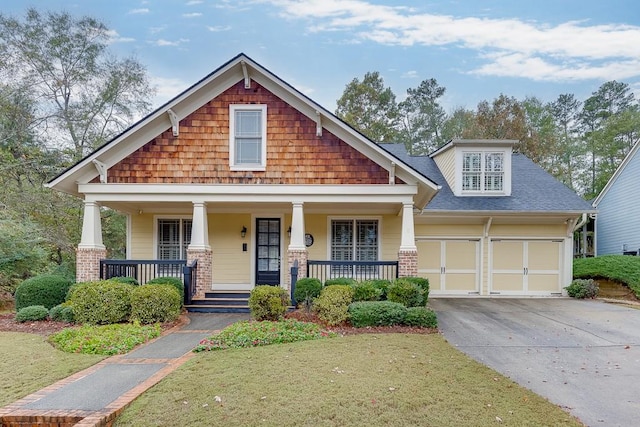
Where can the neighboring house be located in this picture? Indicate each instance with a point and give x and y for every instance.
(617, 225)
(247, 176)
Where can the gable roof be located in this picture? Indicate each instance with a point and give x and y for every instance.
(235, 70)
(617, 173)
(532, 189)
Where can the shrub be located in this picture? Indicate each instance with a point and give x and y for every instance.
(62, 313)
(127, 280)
(583, 288)
(307, 290)
(106, 340)
(366, 291)
(383, 285)
(32, 313)
(253, 334)
(422, 282)
(332, 306)
(173, 281)
(405, 292)
(155, 303)
(422, 317)
(46, 290)
(101, 302)
(376, 313)
(268, 302)
(339, 281)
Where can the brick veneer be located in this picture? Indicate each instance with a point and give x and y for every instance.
(88, 263)
(407, 263)
(302, 256)
(204, 275)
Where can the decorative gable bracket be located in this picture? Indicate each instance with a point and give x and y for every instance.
(102, 170)
(247, 79)
(175, 124)
(318, 123)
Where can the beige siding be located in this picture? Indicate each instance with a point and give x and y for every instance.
(536, 230)
(230, 264)
(142, 237)
(447, 165)
(316, 225)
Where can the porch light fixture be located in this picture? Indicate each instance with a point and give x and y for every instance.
(289, 231)
(243, 232)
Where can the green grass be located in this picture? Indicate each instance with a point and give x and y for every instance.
(28, 363)
(106, 340)
(367, 379)
(620, 268)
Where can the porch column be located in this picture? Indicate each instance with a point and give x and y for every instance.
(408, 253)
(200, 250)
(297, 249)
(90, 249)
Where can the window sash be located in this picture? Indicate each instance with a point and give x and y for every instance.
(483, 172)
(354, 240)
(248, 136)
(174, 236)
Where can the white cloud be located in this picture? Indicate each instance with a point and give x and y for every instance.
(140, 11)
(163, 42)
(508, 47)
(166, 88)
(218, 28)
(192, 15)
(193, 2)
(114, 37)
(412, 74)
(155, 30)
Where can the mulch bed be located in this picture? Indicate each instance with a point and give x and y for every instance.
(44, 327)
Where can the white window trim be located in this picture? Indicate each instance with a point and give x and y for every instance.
(353, 218)
(232, 151)
(506, 183)
(155, 229)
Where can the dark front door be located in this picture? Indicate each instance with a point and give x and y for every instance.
(268, 251)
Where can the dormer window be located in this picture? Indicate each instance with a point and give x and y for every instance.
(482, 172)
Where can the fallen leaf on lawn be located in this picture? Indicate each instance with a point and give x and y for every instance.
(498, 419)
(205, 405)
(263, 398)
(217, 399)
(392, 389)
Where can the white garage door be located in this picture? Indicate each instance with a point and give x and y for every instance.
(526, 267)
(452, 266)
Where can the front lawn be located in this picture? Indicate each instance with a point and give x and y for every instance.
(619, 268)
(28, 363)
(368, 379)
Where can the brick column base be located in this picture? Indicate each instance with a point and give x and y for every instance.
(204, 275)
(407, 263)
(88, 264)
(302, 256)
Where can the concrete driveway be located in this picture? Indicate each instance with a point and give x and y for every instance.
(581, 355)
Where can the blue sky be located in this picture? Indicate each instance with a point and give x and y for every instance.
(475, 49)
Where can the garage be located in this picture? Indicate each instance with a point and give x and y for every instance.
(452, 266)
(525, 267)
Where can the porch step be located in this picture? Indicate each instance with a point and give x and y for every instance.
(221, 302)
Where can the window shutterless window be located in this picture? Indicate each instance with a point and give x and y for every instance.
(353, 240)
(247, 137)
(174, 235)
(483, 172)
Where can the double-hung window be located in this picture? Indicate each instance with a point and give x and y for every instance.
(354, 240)
(174, 235)
(247, 137)
(483, 172)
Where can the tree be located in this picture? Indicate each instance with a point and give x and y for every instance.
(422, 117)
(565, 112)
(541, 143)
(370, 108)
(461, 123)
(85, 96)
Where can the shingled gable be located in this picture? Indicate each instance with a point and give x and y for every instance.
(306, 143)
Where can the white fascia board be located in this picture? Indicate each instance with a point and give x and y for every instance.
(244, 193)
(431, 212)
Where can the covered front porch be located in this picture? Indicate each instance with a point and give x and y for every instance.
(254, 235)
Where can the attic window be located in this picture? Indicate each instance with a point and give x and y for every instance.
(247, 137)
(483, 172)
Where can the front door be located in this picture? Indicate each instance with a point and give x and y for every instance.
(268, 251)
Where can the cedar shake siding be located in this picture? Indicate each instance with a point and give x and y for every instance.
(295, 155)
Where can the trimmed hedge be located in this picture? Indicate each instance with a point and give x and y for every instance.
(307, 290)
(155, 303)
(102, 302)
(127, 280)
(332, 306)
(173, 281)
(32, 313)
(383, 285)
(422, 317)
(376, 313)
(420, 281)
(406, 292)
(339, 281)
(268, 302)
(366, 291)
(62, 313)
(45, 290)
(583, 288)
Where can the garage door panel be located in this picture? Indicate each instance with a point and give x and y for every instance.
(450, 265)
(429, 255)
(461, 282)
(543, 282)
(461, 255)
(434, 280)
(543, 255)
(507, 255)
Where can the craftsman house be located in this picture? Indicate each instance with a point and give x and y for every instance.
(617, 226)
(241, 177)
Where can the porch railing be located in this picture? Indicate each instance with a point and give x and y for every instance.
(145, 270)
(359, 270)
